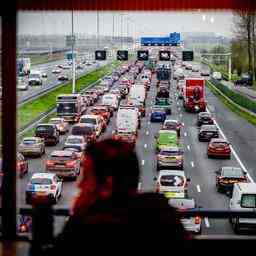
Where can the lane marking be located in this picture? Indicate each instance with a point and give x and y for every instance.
(198, 188)
(145, 146)
(232, 149)
(180, 115)
(148, 122)
(185, 134)
(206, 221)
(143, 162)
(139, 186)
(188, 147)
(192, 163)
(147, 132)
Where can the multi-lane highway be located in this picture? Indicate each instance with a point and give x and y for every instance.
(197, 166)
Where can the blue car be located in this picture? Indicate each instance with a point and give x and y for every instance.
(158, 115)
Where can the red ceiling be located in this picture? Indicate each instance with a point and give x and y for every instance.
(140, 5)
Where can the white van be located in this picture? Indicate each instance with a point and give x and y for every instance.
(243, 199)
(127, 120)
(138, 93)
(35, 78)
(110, 100)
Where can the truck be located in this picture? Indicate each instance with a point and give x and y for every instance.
(23, 66)
(35, 77)
(194, 95)
(70, 107)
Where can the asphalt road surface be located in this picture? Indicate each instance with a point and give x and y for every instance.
(197, 166)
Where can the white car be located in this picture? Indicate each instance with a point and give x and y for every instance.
(56, 71)
(75, 140)
(22, 85)
(192, 224)
(44, 186)
(216, 75)
(172, 183)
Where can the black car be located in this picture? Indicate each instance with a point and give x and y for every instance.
(227, 176)
(63, 78)
(49, 132)
(246, 80)
(163, 92)
(207, 132)
(204, 118)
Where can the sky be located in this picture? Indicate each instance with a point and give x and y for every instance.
(139, 23)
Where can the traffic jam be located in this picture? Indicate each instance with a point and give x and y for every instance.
(120, 106)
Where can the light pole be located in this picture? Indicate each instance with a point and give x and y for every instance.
(121, 30)
(73, 58)
(98, 29)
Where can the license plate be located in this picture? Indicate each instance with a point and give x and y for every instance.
(59, 165)
(208, 133)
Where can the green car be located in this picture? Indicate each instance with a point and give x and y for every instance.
(164, 103)
(166, 139)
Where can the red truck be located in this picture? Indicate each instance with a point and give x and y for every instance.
(194, 95)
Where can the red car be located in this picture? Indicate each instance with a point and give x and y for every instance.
(127, 137)
(219, 148)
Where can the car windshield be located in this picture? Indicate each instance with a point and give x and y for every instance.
(34, 76)
(41, 181)
(44, 128)
(182, 204)
(248, 201)
(209, 128)
(86, 130)
(172, 180)
(232, 172)
(166, 138)
(72, 149)
(220, 144)
(55, 121)
(74, 140)
(170, 152)
(88, 120)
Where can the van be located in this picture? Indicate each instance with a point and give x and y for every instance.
(35, 78)
(110, 100)
(127, 120)
(243, 199)
(138, 93)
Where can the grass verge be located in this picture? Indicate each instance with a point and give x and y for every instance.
(30, 111)
(233, 107)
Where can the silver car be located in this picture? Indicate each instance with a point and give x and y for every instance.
(192, 224)
(31, 146)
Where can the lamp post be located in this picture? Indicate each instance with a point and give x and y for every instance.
(73, 58)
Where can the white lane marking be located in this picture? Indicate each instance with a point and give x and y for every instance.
(198, 188)
(178, 103)
(192, 163)
(232, 150)
(148, 122)
(185, 134)
(179, 108)
(147, 132)
(206, 221)
(145, 146)
(142, 162)
(139, 186)
(180, 115)
(188, 147)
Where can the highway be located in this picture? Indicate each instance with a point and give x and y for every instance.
(197, 166)
(52, 79)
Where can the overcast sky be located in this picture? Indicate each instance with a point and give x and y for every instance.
(140, 23)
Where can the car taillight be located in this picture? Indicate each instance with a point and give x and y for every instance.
(71, 164)
(197, 220)
(50, 162)
(23, 228)
(53, 187)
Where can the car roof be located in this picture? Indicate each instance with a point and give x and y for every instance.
(89, 116)
(43, 175)
(170, 149)
(209, 126)
(167, 131)
(61, 153)
(75, 137)
(171, 172)
(171, 120)
(219, 140)
(182, 203)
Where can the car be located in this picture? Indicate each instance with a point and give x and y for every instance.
(164, 103)
(66, 66)
(205, 72)
(204, 118)
(129, 137)
(76, 140)
(245, 80)
(88, 98)
(86, 130)
(31, 146)
(100, 110)
(188, 66)
(21, 165)
(64, 164)
(44, 75)
(48, 132)
(61, 124)
(79, 151)
(207, 132)
(171, 124)
(170, 158)
(191, 224)
(217, 76)
(92, 94)
(157, 115)
(43, 186)
(163, 92)
(227, 176)
(219, 148)
(56, 71)
(99, 89)
(22, 84)
(94, 120)
(243, 199)
(172, 183)
(195, 68)
(63, 77)
(166, 139)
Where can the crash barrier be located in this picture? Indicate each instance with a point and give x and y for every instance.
(239, 99)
